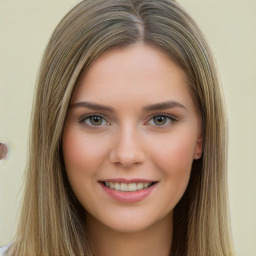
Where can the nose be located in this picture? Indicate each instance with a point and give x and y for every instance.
(127, 148)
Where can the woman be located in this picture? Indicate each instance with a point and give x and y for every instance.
(128, 143)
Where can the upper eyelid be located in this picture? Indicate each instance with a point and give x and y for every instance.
(163, 114)
(84, 117)
(92, 114)
(171, 116)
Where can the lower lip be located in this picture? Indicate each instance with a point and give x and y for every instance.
(129, 197)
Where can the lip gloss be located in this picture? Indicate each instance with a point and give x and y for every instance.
(128, 197)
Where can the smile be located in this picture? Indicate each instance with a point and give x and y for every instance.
(128, 191)
(128, 187)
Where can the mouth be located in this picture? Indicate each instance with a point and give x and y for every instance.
(128, 186)
(128, 191)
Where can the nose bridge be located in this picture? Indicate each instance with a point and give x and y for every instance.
(128, 147)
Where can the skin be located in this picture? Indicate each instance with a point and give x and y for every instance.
(130, 143)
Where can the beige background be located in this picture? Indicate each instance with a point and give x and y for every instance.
(229, 26)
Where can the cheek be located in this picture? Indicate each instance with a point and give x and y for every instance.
(81, 150)
(83, 156)
(174, 157)
(175, 152)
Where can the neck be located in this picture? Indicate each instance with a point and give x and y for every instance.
(155, 240)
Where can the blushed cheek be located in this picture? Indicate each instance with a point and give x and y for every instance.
(82, 154)
(176, 155)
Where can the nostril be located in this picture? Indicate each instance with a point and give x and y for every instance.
(3, 151)
(127, 156)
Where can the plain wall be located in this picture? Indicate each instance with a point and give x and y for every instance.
(229, 26)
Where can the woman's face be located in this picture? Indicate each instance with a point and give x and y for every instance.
(131, 134)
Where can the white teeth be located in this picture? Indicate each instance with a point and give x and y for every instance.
(145, 185)
(132, 187)
(141, 186)
(117, 186)
(127, 187)
(123, 187)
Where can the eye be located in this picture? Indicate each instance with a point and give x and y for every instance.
(94, 120)
(161, 120)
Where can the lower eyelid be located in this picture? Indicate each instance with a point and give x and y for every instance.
(82, 120)
(171, 118)
(86, 117)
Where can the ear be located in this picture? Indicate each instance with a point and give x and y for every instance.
(199, 148)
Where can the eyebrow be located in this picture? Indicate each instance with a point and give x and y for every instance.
(91, 105)
(153, 107)
(164, 105)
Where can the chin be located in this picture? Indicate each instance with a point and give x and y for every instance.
(131, 221)
(128, 227)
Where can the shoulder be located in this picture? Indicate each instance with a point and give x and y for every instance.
(3, 249)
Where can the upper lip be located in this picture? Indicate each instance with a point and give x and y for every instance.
(123, 180)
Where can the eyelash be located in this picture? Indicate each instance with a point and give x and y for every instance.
(171, 118)
(84, 118)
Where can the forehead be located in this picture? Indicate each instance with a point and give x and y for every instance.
(139, 72)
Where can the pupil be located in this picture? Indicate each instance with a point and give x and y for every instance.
(159, 120)
(97, 120)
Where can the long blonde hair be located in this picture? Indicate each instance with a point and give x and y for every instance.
(51, 219)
